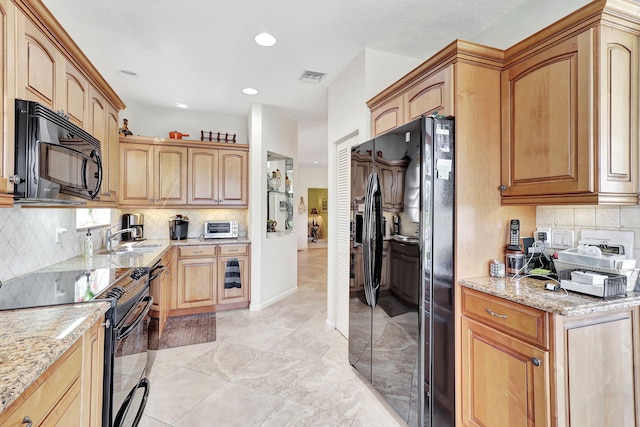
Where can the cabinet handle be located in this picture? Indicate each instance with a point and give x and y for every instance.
(233, 250)
(196, 252)
(502, 316)
(535, 361)
(27, 421)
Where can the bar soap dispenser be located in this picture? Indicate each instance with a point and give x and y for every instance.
(88, 245)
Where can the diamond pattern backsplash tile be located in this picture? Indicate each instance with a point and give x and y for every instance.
(28, 235)
(156, 221)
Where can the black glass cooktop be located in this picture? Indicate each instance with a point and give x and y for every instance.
(58, 287)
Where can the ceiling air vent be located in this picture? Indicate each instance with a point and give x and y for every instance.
(312, 76)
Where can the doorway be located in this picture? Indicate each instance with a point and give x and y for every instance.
(318, 217)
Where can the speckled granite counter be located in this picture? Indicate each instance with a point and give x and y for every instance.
(31, 340)
(531, 292)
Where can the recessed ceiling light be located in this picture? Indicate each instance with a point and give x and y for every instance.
(265, 39)
(129, 74)
(249, 91)
(315, 162)
(181, 105)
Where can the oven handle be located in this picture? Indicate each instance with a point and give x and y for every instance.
(124, 332)
(156, 272)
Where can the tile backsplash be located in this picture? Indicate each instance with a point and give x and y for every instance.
(621, 218)
(28, 235)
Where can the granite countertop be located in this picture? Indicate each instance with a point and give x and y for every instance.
(531, 292)
(31, 340)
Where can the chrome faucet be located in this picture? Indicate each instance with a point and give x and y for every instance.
(109, 236)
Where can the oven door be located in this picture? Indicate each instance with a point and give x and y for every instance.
(130, 387)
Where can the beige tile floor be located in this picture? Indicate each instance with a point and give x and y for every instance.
(281, 366)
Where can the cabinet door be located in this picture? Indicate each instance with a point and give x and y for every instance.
(136, 174)
(111, 156)
(161, 289)
(387, 116)
(357, 281)
(75, 96)
(546, 133)
(233, 177)
(405, 271)
(392, 183)
(92, 373)
(618, 112)
(233, 294)
(597, 370)
(197, 282)
(37, 72)
(203, 176)
(431, 95)
(171, 175)
(505, 382)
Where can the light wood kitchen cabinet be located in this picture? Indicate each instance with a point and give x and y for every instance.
(596, 364)
(69, 392)
(356, 283)
(361, 166)
(570, 117)
(217, 177)
(37, 68)
(505, 363)
(75, 95)
(197, 277)
(162, 287)
(233, 179)
(111, 157)
(151, 175)
(239, 252)
(432, 94)
(387, 116)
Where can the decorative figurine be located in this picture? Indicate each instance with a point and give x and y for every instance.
(124, 130)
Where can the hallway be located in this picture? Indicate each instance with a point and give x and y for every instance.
(281, 366)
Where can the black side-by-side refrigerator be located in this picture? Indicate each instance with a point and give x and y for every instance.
(401, 305)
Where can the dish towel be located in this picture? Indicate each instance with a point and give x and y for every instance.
(232, 274)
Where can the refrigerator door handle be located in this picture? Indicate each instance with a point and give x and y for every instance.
(370, 232)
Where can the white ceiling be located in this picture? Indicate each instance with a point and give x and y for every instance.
(202, 52)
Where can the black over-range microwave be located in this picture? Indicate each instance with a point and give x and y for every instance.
(54, 158)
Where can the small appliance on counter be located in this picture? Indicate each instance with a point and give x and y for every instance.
(135, 221)
(220, 229)
(178, 227)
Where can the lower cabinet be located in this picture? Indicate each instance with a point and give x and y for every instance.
(69, 392)
(162, 287)
(207, 279)
(526, 367)
(356, 282)
(197, 277)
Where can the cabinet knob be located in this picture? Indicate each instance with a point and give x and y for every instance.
(15, 179)
(535, 361)
(502, 187)
(27, 421)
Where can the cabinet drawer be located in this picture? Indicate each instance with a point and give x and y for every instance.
(227, 250)
(522, 322)
(197, 251)
(58, 391)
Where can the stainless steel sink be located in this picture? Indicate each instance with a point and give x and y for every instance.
(131, 249)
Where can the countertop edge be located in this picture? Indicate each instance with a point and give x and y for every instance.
(531, 293)
(76, 319)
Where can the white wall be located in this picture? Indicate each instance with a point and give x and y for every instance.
(158, 122)
(274, 265)
(525, 20)
(307, 178)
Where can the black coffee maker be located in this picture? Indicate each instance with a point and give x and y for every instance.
(135, 221)
(178, 227)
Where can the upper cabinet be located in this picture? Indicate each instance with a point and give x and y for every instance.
(180, 172)
(41, 63)
(570, 112)
(427, 94)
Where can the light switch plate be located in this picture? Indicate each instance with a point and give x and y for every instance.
(562, 239)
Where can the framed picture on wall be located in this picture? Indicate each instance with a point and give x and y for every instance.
(325, 203)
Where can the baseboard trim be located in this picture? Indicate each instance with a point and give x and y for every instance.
(267, 303)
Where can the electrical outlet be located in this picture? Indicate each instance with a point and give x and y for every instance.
(542, 234)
